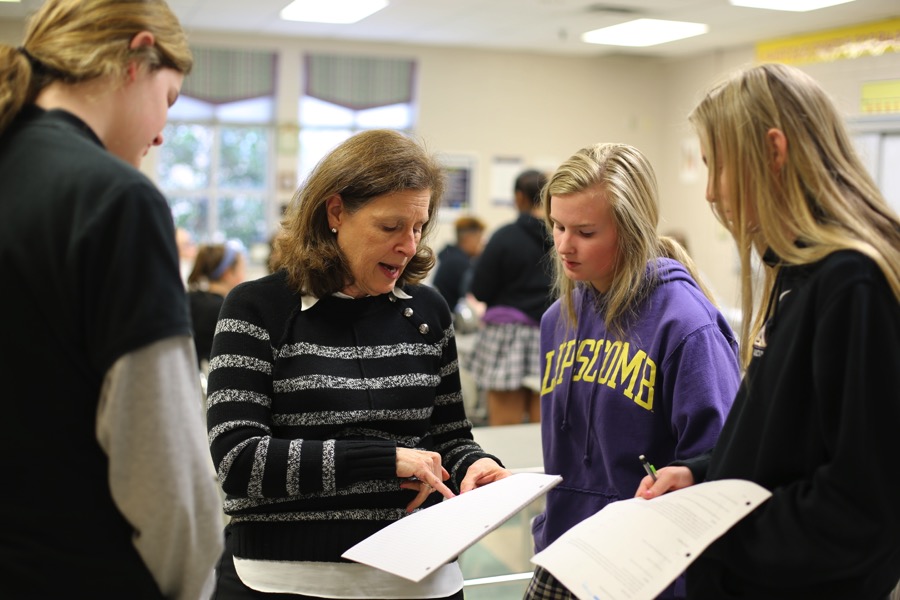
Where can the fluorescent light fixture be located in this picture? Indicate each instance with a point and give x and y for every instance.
(18, 1)
(789, 5)
(644, 32)
(331, 11)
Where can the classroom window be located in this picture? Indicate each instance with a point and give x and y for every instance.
(343, 95)
(216, 165)
(880, 151)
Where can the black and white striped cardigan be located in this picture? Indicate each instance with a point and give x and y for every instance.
(306, 409)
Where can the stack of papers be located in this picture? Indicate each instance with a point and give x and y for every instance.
(630, 550)
(418, 545)
(634, 548)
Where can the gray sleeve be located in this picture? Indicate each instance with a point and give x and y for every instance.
(149, 423)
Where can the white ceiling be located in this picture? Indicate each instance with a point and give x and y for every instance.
(544, 26)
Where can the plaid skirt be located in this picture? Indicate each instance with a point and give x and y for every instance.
(544, 586)
(504, 355)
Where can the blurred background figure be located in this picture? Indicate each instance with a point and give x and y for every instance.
(512, 278)
(455, 261)
(273, 261)
(732, 313)
(680, 237)
(187, 252)
(451, 278)
(217, 269)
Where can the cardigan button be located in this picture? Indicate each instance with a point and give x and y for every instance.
(423, 328)
(407, 312)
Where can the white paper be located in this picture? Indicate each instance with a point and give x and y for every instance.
(417, 545)
(634, 548)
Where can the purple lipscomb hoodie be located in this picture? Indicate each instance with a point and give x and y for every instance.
(663, 391)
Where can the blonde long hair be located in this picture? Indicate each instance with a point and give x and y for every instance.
(80, 40)
(821, 200)
(629, 183)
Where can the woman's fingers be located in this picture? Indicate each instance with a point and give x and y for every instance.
(425, 490)
(420, 464)
(424, 473)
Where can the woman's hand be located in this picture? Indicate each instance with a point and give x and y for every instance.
(423, 472)
(482, 472)
(668, 479)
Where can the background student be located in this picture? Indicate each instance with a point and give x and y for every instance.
(816, 417)
(217, 269)
(636, 358)
(512, 278)
(455, 261)
(187, 252)
(334, 393)
(108, 490)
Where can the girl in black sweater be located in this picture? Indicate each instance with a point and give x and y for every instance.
(816, 417)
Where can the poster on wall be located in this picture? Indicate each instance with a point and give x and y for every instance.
(460, 171)
(690, 160)
(504, 170)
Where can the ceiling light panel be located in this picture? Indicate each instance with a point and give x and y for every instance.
(331, 11)
(789, 5)
(644, 32)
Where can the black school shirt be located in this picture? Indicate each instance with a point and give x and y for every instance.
(816, 422)
(514, 268)
(90, 273)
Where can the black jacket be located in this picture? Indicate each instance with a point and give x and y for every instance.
(452, 275)
(514, 268)
(815, 422)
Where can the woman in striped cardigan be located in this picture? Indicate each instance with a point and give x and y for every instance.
(335, 405)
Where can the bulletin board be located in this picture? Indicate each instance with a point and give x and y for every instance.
(458, 190)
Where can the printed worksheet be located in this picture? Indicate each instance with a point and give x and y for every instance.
(633, 549)
(417, 545)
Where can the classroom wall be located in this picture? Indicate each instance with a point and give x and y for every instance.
(683, 198)
(486, 104)
(682, 179)
(11, 32)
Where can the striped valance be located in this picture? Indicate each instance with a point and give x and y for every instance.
(359, 83)
(221, 76)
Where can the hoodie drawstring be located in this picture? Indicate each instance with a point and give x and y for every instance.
(564, 424)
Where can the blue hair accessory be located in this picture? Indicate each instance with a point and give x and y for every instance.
(232, 249)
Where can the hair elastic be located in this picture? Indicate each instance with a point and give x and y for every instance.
(40, 68)
(21, 50)
(232, 249)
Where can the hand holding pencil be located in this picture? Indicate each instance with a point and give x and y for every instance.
(651, 470)
(667, 479)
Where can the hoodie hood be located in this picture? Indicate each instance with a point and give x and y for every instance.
(669, 271)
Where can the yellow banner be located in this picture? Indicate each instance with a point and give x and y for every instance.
(871, 39)
(880, 97)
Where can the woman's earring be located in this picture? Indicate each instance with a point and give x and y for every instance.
(334, 230)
